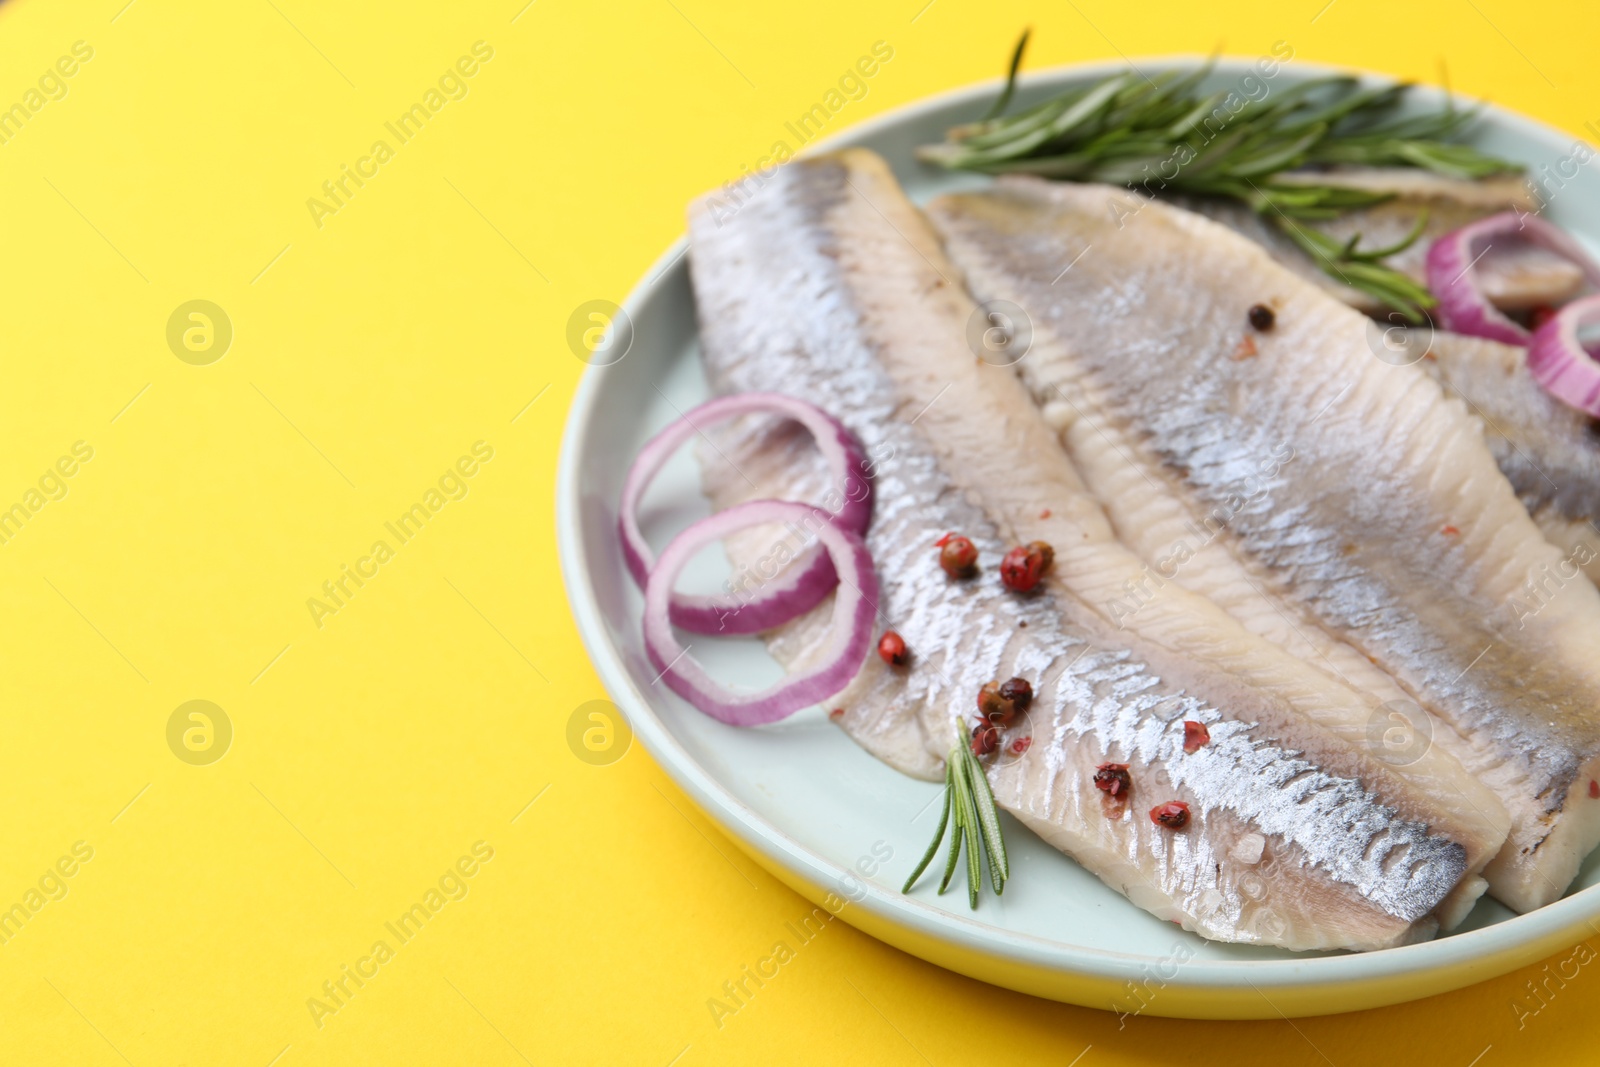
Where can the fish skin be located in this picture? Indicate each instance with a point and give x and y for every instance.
(828, 285)
(1361, 544)
(1514, 276)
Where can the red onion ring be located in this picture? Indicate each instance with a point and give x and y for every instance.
(1452, 264)
(849, 635)
(804, 583)
(1560, 363)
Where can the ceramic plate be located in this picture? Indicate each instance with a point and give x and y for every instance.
(843, 829)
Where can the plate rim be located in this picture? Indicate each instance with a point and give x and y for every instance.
(1040, 965)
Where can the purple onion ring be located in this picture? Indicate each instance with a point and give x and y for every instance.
(1559, 362)
(1452, 264)
(805, 582)
(849, 635)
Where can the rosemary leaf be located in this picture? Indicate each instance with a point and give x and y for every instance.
(938, 836)
(997, 877)
(987, 816)
(1376, 254)
(955, 854)
(969, 823)
(1003, 101)
(975, 775)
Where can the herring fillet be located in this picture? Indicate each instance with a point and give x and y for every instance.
(1549, 451)
(827, 285)
(1393, 530)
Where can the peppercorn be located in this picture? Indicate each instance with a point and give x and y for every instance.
(1113, 778)
(991, 707)
(1000, 702)
(1195, 735)
(985, 738)
(892, 647)
(1262, 318)
(957, 555)
(1020, 745)
(1023, 565)
(1174, 815)
(1018, 692)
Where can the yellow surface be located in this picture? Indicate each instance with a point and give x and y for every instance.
(374, 752)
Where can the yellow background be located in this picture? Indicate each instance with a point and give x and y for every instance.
(368, 354)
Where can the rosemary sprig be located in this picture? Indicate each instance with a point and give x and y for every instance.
(1364, 269)
(1163, 133)
(967, 796)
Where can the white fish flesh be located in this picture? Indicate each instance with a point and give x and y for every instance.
(1392, 530)
(1549, 451)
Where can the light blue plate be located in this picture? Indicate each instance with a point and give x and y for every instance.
(822, 815)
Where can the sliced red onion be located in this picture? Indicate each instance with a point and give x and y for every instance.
(849, 635)
(811, 576)
(1452, 264)
(1560, 363)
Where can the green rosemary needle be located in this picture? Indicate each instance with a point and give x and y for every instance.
(1130, 130)
(968, 799)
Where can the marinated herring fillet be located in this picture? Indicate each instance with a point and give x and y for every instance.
(1392, 530)
(829, 285)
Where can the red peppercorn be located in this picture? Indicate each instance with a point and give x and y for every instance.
(991, 707)
(1594, 789)
(1000, 702)
(1018, 692)
(892, 647)
(957, 555)
(1174, 815)
(1023, 565)
(1113, 778)
(836, 714)
(1540, 315)
(1020, 745)
(1195, 735)
(985, 739)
